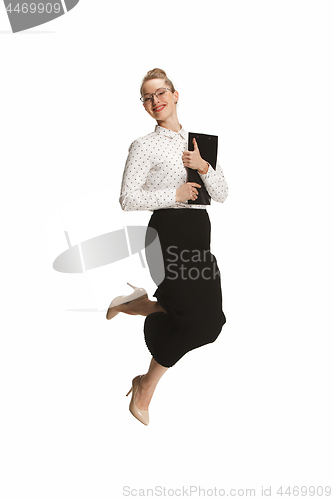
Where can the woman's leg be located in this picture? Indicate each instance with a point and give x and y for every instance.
(149, 381)
(148, 384)
(142, 306)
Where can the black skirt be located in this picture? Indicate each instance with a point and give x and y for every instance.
(191, 289)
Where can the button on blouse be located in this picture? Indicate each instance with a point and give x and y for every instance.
(154, 170)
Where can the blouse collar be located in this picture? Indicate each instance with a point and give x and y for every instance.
(171, 133)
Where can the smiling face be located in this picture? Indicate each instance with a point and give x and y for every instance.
(161, 109)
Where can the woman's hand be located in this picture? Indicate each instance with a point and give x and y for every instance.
(192, 159)
(187, 191)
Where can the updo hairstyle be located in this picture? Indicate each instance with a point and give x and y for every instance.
(157, 73)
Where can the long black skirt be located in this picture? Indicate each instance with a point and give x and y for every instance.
(191, 289)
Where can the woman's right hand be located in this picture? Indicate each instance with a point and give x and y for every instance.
(187, 191)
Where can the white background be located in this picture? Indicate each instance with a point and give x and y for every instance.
(254, 408)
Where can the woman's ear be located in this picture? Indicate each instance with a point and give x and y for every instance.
(176, 95)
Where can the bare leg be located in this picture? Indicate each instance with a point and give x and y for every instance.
(149, 381)
(148, 384)
(142, 306)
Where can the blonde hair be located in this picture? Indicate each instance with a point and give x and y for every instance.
(157, 73)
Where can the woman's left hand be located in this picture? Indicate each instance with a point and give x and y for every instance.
(192, 159)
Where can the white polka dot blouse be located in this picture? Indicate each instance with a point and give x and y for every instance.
(154, 170)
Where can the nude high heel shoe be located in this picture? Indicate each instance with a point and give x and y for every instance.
(142, 415)
(123, 299)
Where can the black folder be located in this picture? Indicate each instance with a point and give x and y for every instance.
(207, 145)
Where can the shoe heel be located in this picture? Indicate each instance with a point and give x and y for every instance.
(129, 392)
(134, 287)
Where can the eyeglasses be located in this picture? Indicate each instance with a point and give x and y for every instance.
(160, 94)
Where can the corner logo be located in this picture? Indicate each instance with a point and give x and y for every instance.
(25, 15)
(112, 247)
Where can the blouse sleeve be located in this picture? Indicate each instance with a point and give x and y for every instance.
(134, 194)
(215, 183)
